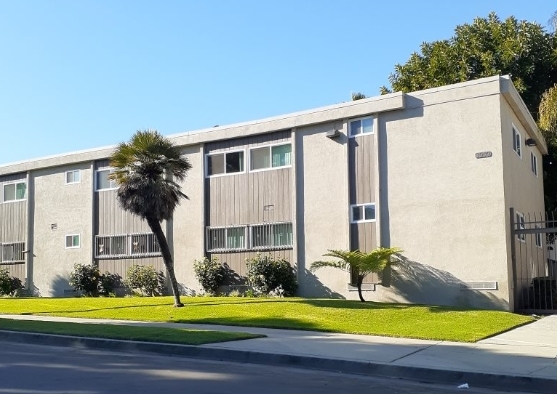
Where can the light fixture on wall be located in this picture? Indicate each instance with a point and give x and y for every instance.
(530, 142)
(333, 133)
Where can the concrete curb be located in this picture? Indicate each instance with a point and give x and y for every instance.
(439, 376)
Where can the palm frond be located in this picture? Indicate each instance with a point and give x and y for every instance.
(332, 264)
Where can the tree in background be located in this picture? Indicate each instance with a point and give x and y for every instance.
(487, 47)
(145, 169)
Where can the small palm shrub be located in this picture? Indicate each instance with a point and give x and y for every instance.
(146, 279)
(268, 275)
(210, 273)
(9, 285)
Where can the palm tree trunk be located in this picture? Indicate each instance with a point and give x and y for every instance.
(359, 283)
(167, 258)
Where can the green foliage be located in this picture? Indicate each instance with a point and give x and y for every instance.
(358, 96)
(9, 285)
(486, 47)
(358, 263)
(89, 280)
(145, 279)
(209, 273)
(268, 275)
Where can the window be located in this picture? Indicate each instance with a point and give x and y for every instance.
(15, 191)
(144, 245)
(73, 176)
(517, 142)
(271, 236)
(361, 127)
(126, 245)
(229, 238)
(225, 163)
(362, 213)
(534, 162)
(538, 237)
(101, 180)
(270, 157)
(72, 241)
(12, 252)
(520, 226)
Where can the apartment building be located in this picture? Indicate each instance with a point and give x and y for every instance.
(434, 172)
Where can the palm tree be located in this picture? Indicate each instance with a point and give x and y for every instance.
(145, 169)
(360, 263)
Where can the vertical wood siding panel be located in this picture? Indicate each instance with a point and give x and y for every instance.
(121, 266)
(17, 270)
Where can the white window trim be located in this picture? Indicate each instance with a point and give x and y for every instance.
(225, 153)
(271, 154)
(515, 130)
(352, 206)
(373, 119)
(534, 163)
(13, 183)
(74, 182)
(111, 170)
(538, 236)
(521, 237)
(72, 235)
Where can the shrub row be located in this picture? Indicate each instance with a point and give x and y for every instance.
(265, 275)
(9, 285)
(140, 278)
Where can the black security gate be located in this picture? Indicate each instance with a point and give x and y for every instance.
(534, 262)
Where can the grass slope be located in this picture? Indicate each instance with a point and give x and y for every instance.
(396, 320)
(133, 333)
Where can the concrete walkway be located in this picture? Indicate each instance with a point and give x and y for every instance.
(521, 359)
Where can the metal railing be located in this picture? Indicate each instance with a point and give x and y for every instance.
(256, 237)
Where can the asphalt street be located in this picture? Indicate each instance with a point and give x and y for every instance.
(36, 369)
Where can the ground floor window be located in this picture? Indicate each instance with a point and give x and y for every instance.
(12, 252)
(126, 245)
(264, 236)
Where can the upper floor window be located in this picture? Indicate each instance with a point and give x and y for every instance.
(15, 191)
(225, 163)
(517, 142)
(534, 163)
(273, 156)
(73, 176)
(362, 213)
(361, 127)
(101, 180)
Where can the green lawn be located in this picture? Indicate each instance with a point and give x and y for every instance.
(133, 333)
(396, 320)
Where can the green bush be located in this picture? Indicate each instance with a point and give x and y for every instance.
(268, 275)
(145, 279)
(86, 279)
(9, 285)
(89, 280)
(210, 273)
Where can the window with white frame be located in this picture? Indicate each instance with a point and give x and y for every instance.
(274, 156)
(101, 180)
(361, 127)
(538, 236)
(360, 213)
(73, 241)
(271, 236)
(73, 176)
(16, 191)
(225, 163)
(126, 245)
(12, 252)
(517, 142)
(226, 238)
(521, 225)
(534, 163)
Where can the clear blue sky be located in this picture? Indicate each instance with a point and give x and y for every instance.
(82, 74)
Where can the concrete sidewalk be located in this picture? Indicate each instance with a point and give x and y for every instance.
(521, 359)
